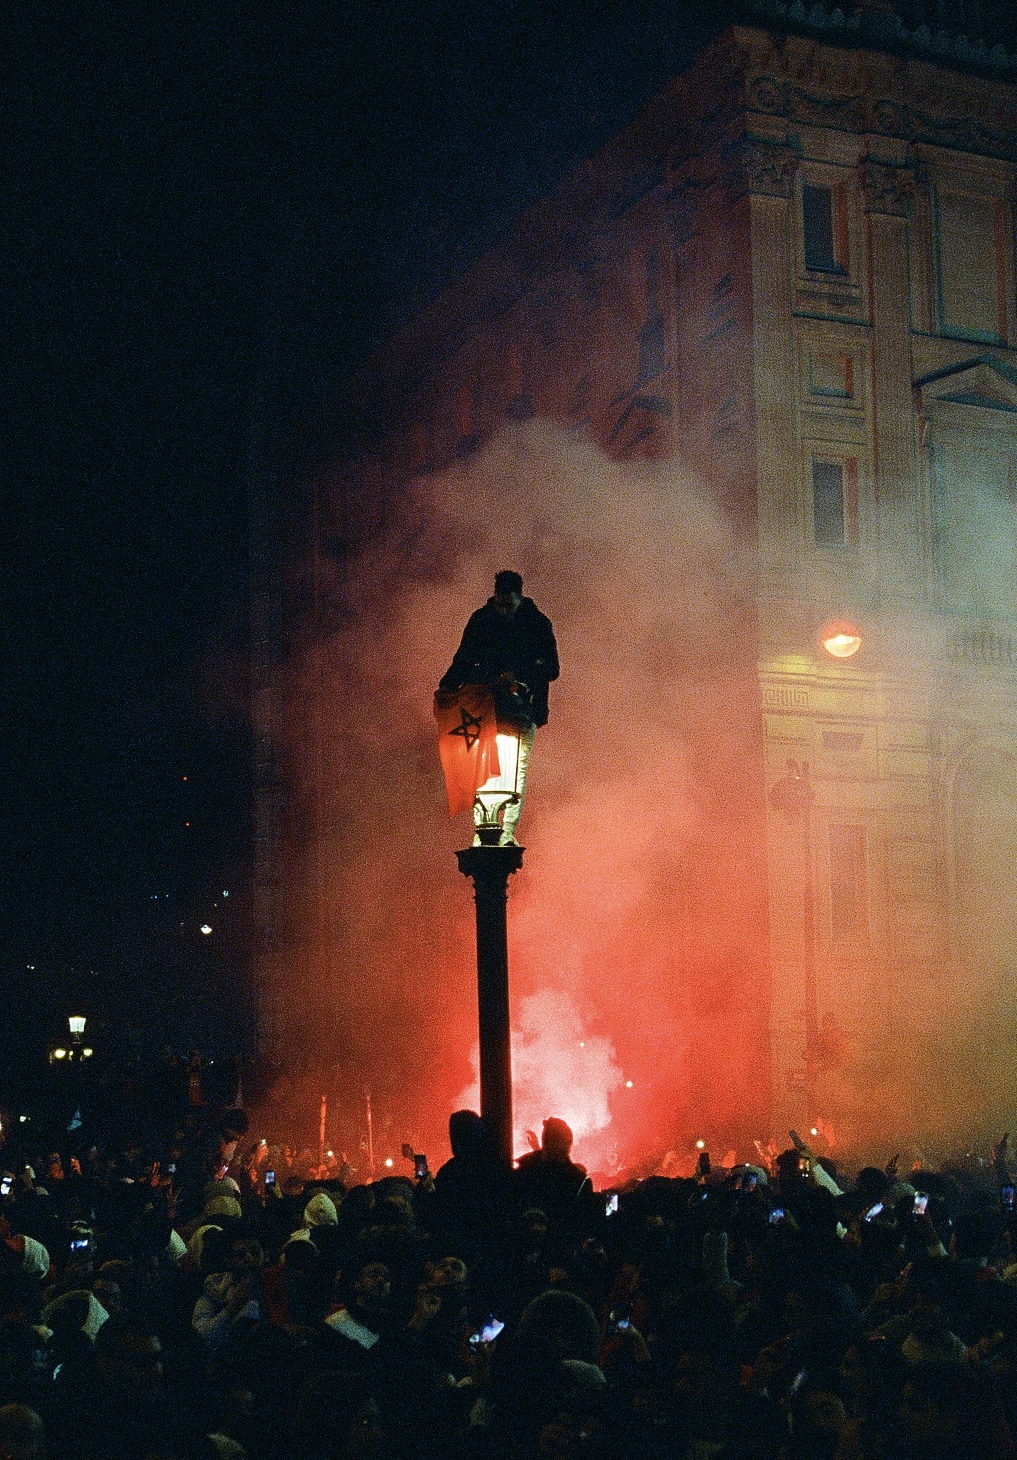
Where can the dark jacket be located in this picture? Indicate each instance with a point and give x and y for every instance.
(522, 645)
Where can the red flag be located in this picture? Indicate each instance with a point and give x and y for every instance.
(467, 742)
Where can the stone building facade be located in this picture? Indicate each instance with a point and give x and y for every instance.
(796, 272)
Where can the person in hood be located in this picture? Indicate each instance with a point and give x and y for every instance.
(321, 1226)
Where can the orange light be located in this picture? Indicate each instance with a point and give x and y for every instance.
(840, 640)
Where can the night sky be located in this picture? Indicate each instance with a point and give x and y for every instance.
(181, 181)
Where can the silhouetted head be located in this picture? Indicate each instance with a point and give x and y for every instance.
(466, 1133)
(508, 582)
(557, 1138)
(508, 592)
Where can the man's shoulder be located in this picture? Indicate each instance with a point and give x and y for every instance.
(530, 610)
(532, 1161)
(485, 614)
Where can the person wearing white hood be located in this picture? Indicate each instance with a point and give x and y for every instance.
(23, 1253)
(321, 1226)
(319, 1212)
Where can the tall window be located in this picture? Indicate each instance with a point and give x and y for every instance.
(976, 537)
(824, 248)
(848, 918)
(834, 503)
(971, 289)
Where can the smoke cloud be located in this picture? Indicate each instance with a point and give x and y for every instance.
(637, 923)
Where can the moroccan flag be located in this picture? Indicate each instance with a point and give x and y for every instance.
(467, 742)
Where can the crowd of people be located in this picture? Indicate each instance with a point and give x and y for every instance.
(187, 1301)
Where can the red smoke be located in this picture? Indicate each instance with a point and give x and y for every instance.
(638, 937)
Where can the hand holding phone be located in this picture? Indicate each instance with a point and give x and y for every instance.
(487, 1333)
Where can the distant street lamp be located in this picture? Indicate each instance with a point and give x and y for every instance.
(75, 1051)
(841, 640)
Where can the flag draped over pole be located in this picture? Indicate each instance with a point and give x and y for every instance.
(467, 742)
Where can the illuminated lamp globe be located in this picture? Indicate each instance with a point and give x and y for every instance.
(840, 640)
(502, 790)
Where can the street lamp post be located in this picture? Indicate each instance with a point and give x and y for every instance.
(490, 868)
(490, 865)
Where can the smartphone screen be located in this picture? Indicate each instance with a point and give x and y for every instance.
(269, 1178)
(776, 1215)
(611, 1205)
(921, 1202)
(420, 1167)
(1006, 1197)
(874, 1211)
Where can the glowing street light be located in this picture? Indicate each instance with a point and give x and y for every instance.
(841, 640)
(75, 1050)
(501, 791)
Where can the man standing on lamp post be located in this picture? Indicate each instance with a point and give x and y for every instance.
(508, 646)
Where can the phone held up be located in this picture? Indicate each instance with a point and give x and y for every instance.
(487, 1333)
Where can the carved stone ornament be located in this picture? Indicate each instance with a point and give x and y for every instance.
(760, 166)
(962, 120)
(887, 187)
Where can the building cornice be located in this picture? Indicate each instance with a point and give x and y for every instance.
(879, 27)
